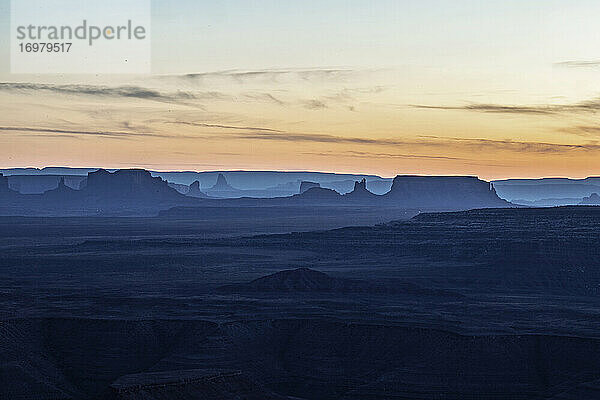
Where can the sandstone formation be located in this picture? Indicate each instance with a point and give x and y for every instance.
(305, 185)
(194, 190)
(592, 200)
(443, 192)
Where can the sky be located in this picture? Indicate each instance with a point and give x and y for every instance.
(437, 87)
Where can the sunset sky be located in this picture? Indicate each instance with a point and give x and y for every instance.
(494, 89)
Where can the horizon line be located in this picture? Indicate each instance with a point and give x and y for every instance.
(299, 171)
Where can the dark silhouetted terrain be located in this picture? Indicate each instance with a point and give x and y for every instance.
(251, 183)
(547, 192)
(543, 192)
(446, 192)
(36, 184)
(123, 192)
(136, 192)
(481, 304)
(592, 200)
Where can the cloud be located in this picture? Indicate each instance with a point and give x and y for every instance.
(516, 146)
(126, 92)
(313, 137)
(67, 132)
(241, 76)
(492, 108)
(367, 154)
(424, 141)
(587, 106)
(434, 144)
(373, 155)
(268, 97)
(582, 130)
(579, 64)
(120, 91)
(315, 105)
(440, 142)
(219, 126)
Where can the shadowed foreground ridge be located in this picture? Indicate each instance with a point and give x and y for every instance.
(311, 359)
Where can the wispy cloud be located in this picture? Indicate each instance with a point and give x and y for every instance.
(422, 141)
(314, 137)
(516, 146)
(579, 64)
(127, 92)
(582, 130)
(266, 97)
(242, 76)
(67, 132)
(120, 91)
(587, 106)
(433, 144)
(394, 156)
(315, 104)
(368, 154)
(220, 126)
(492, 108)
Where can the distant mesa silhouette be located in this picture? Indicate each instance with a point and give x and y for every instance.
(194, 190)
(360, 186)
(132, 184)
(222, 185)
(305, 185)
(136, 191)
(3, 184)
(38, 184)
(124, 192)
(318, 195)
(361, 193)
(61, 191)
(445, 192)
(6, 193)
(592, 200)
(61, 185)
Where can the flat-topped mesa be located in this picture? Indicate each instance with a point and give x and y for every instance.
(305, 185)
(7, 194)
(444, 192)
(591, 200)
(128, 183)
(318, 194)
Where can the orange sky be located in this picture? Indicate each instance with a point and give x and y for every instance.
(496, 91)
